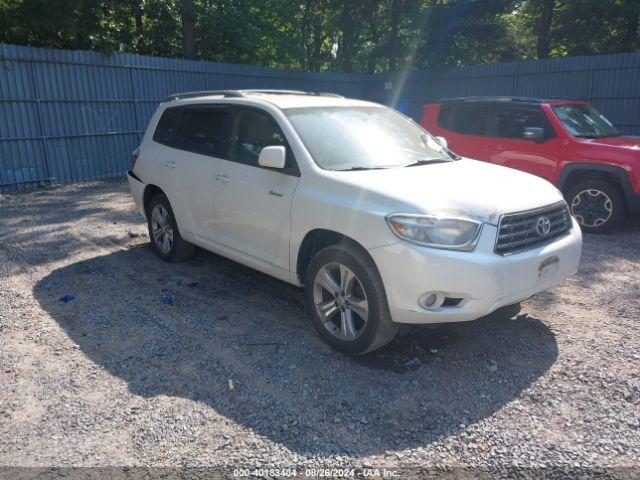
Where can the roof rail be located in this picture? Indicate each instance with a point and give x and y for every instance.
(294, 92)
(493, 99)
(224, 93)
(242, 93)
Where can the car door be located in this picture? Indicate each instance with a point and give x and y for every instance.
(252, 204)
(511, 149)
(199, 141)
(464, 126)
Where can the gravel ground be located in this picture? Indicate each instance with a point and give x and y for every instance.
(136, 370)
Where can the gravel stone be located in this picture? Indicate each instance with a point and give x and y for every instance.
(116, 378)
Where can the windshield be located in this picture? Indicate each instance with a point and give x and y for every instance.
(359, 138)
(584, 121)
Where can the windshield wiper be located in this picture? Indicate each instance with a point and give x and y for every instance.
(427, 161)
(358, 169)
(595, 135)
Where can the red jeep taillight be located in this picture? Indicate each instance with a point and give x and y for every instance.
(134, 157)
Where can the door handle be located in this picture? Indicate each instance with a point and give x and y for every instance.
(500, 148)
(170, 164)
(275, 194)
(223, 178)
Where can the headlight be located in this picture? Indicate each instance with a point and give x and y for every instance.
(449, 233)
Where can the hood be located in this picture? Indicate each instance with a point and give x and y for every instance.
(464, 188)
(625, 141)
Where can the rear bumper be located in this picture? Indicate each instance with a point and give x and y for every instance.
(137, 190)
(485, 281)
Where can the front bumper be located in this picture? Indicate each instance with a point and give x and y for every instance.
(484, 280)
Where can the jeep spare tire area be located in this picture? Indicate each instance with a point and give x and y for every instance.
(597, 205)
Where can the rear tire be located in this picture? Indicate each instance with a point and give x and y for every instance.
(165, 236)
(342, 287)
(597, 205)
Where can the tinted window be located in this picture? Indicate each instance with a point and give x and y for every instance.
(445, 115)
(252, 131)
(469, 119)
(511, 122)
(203, 130)
(584, 121)
(167, 126)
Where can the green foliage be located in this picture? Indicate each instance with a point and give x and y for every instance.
(331, 35)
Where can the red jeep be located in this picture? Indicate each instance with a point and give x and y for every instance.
(566, 142)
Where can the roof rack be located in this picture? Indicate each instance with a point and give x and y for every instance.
(494, 99)
(224, 93)
(243, 93)
(294, 92)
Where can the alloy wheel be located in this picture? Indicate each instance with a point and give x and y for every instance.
(161, 229)
(340, 301)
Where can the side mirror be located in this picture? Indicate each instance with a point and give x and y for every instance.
(443, 141)
(273, 157)
(533, 133)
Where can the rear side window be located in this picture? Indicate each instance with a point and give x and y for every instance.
(252, 131)
(167, 126)
(511, 122)
(201, 129)
(445, 115)
(465, 119)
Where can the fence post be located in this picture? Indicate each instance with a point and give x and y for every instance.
(590, 94)
(43, 135)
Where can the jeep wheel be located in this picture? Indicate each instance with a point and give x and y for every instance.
(597, 205)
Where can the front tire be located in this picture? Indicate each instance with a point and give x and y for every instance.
(346, 300)
(597, 205)
(164, 233)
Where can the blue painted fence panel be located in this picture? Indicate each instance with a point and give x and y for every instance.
(69, 116)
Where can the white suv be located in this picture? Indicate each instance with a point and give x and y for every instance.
(379, 222)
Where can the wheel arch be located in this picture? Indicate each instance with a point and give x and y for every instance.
(149, 191)
(576, 172)
(317, 239)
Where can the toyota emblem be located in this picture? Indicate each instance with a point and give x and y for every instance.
(543, 225)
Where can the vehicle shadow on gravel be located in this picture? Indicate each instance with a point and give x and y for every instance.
(185, 329)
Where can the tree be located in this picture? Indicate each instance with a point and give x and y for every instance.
(188, 15)
(369, 36)
(544, 28)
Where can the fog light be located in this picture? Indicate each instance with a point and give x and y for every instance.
(431, 300)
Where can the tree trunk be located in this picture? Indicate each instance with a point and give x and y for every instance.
(345, 51)
(305, 34)
(631, 34)
(375, 38)
(544, 29)
(318, 37)
(139, 33)
(393, 39)
(188, 14)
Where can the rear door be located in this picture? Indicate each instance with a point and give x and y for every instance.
(198, 141)
(252, 204)
(511, 149)
(464, 125)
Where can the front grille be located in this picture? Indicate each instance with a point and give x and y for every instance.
(522, 231)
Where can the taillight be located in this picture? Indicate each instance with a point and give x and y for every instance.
(134, 157)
